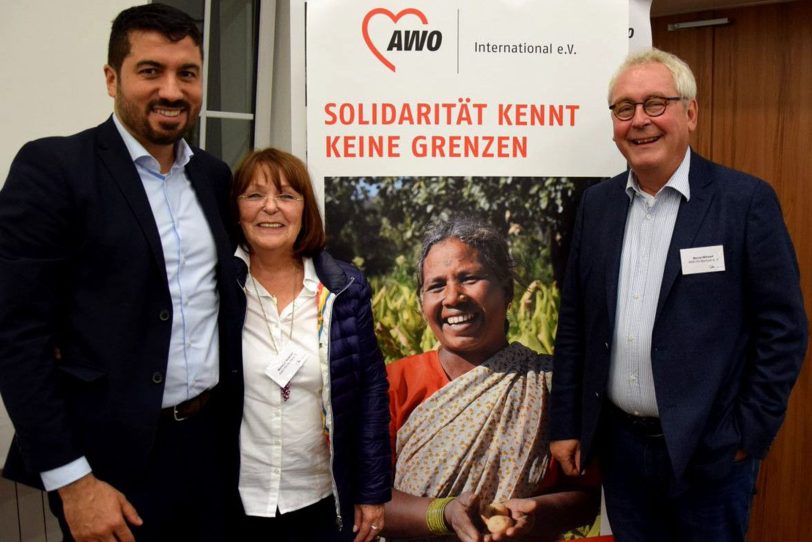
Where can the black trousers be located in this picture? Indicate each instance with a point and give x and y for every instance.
(183, 493)
(314, 523)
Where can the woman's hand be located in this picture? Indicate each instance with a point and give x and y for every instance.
(462, 515)
(368, 522)
(522, 512)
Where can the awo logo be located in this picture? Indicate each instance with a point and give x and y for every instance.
(402, 40)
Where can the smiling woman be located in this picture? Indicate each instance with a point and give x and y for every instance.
(314, 456)
(465, 287)
(460, 411)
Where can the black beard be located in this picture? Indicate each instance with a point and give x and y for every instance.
(171, 132)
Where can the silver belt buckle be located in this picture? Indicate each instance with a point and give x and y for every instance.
(175, 414)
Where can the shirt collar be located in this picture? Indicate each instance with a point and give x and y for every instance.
(242, 254)
(678, 181)
(142, 157)
(311, 280)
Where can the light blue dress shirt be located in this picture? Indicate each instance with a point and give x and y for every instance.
(190, 256)
(649, 226)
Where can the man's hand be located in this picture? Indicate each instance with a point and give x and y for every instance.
(96, 512)
(368, 522)
(568, 455)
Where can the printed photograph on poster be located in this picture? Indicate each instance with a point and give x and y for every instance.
(379, 224)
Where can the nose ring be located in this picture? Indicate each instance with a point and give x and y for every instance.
(461, 297)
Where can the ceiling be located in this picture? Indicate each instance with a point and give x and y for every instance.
(671, 7)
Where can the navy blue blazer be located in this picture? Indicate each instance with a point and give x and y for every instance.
(85, 309)
(726, 346)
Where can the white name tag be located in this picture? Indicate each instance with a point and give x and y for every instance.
(284, 365)
(702, 260)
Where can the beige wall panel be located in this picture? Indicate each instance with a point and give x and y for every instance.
(758, 70)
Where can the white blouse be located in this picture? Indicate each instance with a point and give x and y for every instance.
(284, 455)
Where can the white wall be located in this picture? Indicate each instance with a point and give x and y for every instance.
(52, 83)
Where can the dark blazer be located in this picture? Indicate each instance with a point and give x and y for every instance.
(85, 309)
(726, 346)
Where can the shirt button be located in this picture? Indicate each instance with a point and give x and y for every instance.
(157, 377)
(163, 315)
(630, 338)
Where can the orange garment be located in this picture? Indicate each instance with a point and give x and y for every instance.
(414, 379)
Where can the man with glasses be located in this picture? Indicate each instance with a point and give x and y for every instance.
(115, 279)
(682, 328)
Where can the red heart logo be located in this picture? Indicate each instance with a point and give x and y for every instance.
(395, 18)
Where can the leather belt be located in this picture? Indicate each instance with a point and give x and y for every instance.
(188, 408)
(642, 425)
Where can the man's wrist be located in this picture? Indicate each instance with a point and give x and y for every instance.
(76, 487)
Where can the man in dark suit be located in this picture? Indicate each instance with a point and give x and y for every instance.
(115, 285)
(681, 330)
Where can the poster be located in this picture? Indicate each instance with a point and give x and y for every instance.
(422, 112)
(639, 24)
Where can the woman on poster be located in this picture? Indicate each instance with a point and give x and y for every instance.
(469, 419)
(314, 448)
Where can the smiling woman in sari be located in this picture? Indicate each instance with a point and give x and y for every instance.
(469, 419)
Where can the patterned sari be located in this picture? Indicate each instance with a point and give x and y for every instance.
(483, 432)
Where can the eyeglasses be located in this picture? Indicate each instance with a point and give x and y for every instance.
(257, 198)
(653, 106)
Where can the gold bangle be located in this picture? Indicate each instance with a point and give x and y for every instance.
(435, 516)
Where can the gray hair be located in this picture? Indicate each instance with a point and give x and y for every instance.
(491, 245)
(681, 73)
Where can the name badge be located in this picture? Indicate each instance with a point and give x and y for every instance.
(284, 365)
(702, 260)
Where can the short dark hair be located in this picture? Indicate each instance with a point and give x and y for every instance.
(494, 253)
(278, 164)
(171, 22)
